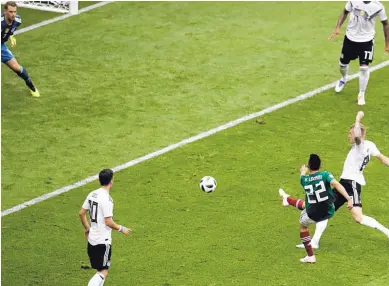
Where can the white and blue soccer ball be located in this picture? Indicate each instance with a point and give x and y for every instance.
(208, 184)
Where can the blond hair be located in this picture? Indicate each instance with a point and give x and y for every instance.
(363, 128)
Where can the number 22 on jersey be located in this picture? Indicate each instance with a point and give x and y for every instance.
(313, 194)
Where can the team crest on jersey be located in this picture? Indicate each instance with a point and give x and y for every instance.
(361, 13)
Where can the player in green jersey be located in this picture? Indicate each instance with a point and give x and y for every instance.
(319, 200)
(352, 179)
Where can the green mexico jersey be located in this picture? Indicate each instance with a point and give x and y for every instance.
(319, 197)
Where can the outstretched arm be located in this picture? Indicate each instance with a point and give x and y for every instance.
(357, 127)
(383, 159)
(339, 24)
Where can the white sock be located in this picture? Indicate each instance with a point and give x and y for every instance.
(320, 228)
(371, 222)
(364, 74)
(343, 71)
(96, 280)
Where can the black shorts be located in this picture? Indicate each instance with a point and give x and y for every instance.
(100, 256)
(353, 189)
(353, 50)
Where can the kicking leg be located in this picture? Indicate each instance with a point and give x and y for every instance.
(287, 200)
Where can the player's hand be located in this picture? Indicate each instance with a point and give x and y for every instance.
(13, 41)
(334, 34)
(387, 49)
(350, 204)
(303, 170)
(86, 234)
(126, 231)
(359, 117)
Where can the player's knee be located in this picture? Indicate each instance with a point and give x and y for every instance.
(343, 62)
(364, 69)
(358, 218)
(17, 68)
(104, 272)
(343, 67)
(14, 65)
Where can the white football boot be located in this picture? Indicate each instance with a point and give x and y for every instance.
(308, 259)
(340, 85)
(284, 197)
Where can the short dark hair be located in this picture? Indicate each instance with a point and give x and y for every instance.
(10, 3)
(105, 177)
(314, 162)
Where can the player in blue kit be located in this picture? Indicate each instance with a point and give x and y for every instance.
(10, 21)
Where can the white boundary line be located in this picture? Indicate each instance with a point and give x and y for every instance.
(183, 142)
(62, 17)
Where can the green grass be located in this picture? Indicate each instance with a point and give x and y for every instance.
(161, 73)
(239, 235)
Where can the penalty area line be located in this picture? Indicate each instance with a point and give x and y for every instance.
(59, 18)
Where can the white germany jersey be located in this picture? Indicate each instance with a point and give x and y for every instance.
(361, 26)
(100, 205)
(356, 161)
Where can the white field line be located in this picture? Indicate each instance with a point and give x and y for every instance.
(183, 142)
(59, 18)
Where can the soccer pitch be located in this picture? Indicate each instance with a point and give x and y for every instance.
(130, 78)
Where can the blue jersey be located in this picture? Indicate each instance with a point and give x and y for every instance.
(9, 30)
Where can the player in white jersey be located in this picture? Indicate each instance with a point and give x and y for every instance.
(359, 40)
(351, 179)
(99, 205)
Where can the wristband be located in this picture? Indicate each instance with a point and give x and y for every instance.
(120, 228)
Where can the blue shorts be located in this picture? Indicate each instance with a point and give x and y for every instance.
(6, 54)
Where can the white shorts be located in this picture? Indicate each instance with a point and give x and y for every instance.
(304, 219)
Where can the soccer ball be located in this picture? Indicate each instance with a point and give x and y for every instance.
(208, 184)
